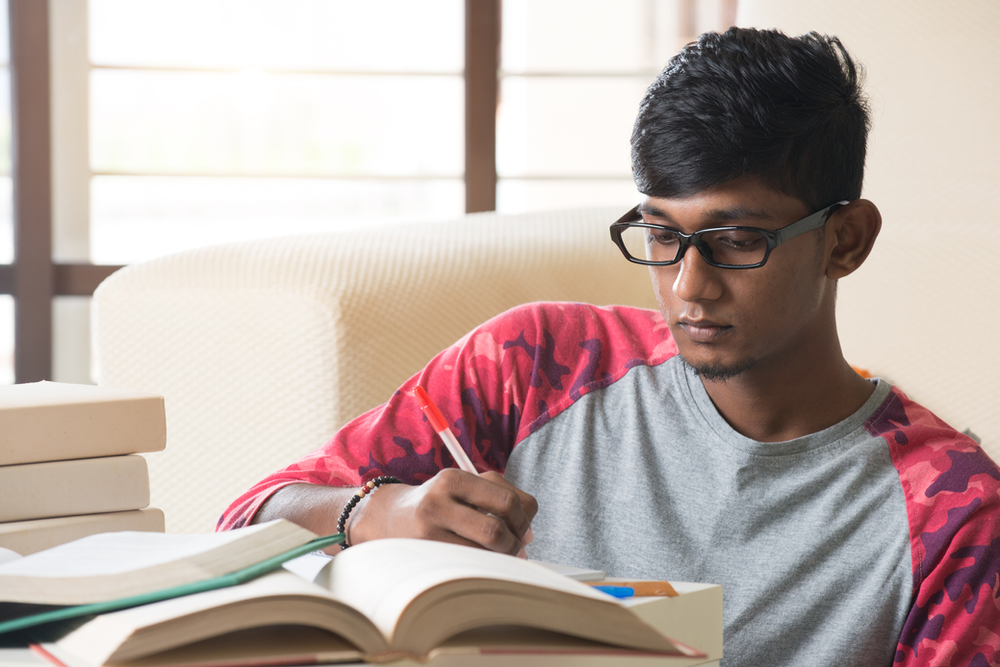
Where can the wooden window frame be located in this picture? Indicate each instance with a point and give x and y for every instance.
(34, 279)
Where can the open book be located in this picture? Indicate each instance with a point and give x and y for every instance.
(378, 601)
(111, 571)
(109, 566)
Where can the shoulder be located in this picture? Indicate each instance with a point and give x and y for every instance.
(952, 490)
(542, 357)
(940, 468)
(637, 335)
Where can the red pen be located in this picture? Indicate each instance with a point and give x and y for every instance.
(440, 427)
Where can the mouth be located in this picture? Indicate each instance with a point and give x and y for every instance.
(703, 331)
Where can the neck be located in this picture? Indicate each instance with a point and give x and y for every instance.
(812, 390)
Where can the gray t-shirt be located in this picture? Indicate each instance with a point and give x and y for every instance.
(801, 534)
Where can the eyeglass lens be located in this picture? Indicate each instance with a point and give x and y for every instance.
(732, 247)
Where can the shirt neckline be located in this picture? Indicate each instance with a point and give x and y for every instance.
(699, 397)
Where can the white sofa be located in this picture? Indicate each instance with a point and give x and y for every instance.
(263, 349)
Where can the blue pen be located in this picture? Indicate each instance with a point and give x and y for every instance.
(616, 591)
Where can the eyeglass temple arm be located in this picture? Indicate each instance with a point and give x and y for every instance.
(631, 216)
(807, 224)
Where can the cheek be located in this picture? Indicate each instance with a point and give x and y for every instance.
(791, 295)
(663, 281)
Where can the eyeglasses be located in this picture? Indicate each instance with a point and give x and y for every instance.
(723, 247)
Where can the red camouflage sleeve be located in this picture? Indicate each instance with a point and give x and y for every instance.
(952, 490)
(498, 384)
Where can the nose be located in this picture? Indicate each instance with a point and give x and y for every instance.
(696, 280)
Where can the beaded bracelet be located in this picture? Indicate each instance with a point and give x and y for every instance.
(365, 489)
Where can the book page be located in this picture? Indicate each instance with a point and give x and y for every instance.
(108, 566)
(7, 556)
(440, 588)
(382, 577)
(284, 645)
(309, 566)
(279, 598)
(578, 573)
(114, 553)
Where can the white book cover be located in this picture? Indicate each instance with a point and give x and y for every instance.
(68, 488)
(52, 421)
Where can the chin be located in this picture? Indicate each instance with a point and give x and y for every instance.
(720, 372)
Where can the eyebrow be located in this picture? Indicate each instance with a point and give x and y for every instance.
(719, 214)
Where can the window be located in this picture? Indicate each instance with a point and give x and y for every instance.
(6, 212)
(571, 83)
(183, 123)
(264, 118)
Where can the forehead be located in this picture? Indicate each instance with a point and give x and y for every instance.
(743, 201)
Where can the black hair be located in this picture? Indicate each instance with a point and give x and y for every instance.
(747, 102)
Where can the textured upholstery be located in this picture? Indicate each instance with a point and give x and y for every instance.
(263, 349)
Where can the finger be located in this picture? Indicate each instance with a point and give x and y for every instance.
(492, 494)
(454, 538)
(461, 523)
(444, 508)
(528, 505)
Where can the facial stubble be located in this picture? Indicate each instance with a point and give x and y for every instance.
(719, 372)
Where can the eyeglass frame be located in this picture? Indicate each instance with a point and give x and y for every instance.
(772, 237)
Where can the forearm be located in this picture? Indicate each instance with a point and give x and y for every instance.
(453, 506)
(318, 508)
(311, 506)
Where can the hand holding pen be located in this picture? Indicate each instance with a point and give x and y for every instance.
(457, 506)
(440, 426)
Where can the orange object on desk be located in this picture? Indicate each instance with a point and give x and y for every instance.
(642, 588)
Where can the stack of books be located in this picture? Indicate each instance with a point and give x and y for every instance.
(69, 463)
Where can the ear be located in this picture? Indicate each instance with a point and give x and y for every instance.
(850, 234)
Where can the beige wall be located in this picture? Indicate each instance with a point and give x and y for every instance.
(923, 311)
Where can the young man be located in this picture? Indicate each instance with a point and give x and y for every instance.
(724, 439)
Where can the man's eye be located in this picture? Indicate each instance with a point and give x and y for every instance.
(662, 238)
(738, 240)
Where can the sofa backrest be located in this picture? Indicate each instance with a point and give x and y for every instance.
(263, 349)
